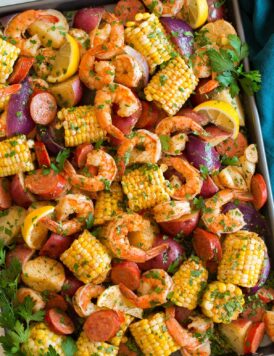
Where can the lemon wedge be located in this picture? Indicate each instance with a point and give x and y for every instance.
(33, 232)
(66, 61)
(221, 114)
(195, 12)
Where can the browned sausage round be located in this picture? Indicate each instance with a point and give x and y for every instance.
(59, 322)
(127, 273)
(43, 108)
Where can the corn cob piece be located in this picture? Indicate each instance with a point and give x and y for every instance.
(80, 125)
(116, 340)
(152, 336)
(147, 35)
(40, 339)
(108, 204)
(15, 156)
(8, 55)
(145, 187)
(87, 258)
(171, 86)
(243, 257)
(87, 348)
(222, 302)
(189, 282)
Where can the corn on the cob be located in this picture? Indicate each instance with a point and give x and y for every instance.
(15, 156)
(171, 86)
(147, 35)
(87, 258)
(8, 55)
(222, 302)
(152, 336)
(80, 125)
(116, 340)
(40, 339)
(108, 204)
(189, 282)
(145, 187)
(242, 261)
(87, 348)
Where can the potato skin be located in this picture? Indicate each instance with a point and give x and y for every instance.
(11, 221)
(44, 273)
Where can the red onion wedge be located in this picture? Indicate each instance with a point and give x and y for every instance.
(141, 61)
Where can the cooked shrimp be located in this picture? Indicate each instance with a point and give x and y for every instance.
(8, 90)
(127, 70)
(215, 220)
(81, 300)
(82, 38)
(182, 336)
(165, 7)
(114, 94)
(143, 147)
(106, 172)
(202, 350)
(19, 24)
(181, 125)
(94, 74)
(38, 84)
(70, 204)
(171, 210)
(200, 324)
(117, 234)
(154, 288)
(44, 61)
(110, 38)
(194, 181)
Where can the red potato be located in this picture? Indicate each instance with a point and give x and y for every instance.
(184, 225)
(231, 147)
(41, 154)
(49, 186)
(216, 10)
(126, 10)
(36, 297)
(149, 117)
(269, 324)
(207, 245)
(80, 154)
(59, 322)
(102, 325)
(127, 273)
(21, 70)
(200, 119)
(71, 285)
(55, 246)
(266, 294)
(216, 135)
(21, 252)
(209, 188)
(253, 312)
(67, 93)
(5, 195)
(182, 314)
(19, 193)
(43, 108)
(55, 300)
(258, 190)
(88, 19)
(254, 337)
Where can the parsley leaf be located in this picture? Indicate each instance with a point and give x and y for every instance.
(69, 346)
(165, 141)
(230, 161)
(89, 221)
(61, 158)
(174, 265)
(25, 311)
(52, 352)
(2, 253)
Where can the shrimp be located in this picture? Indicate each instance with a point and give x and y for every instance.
(77, 204)
(194, 181)
(165, 7)
(181, 124)
(107, 171)
(19, 24)
(94, 74)
(38, 84)
(202, 350)
(155, 285)
(215, 220)
(81, 300)
(117, 236)
(200, 324)
(171, 210)
(143, 147)
(44, 62)
(115, 94)
(127, 70)
(182, 336)
(110, 38)
(82, 38)
(8, 90)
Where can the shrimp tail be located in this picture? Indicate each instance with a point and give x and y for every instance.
(12, 89)
(128, 293)
(155, 251)
(48, 18)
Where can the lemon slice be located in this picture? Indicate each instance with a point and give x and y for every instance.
(66, 61)
(221, 114)
(218, 32)
(112, 298)
(33, 232)
(195, 12)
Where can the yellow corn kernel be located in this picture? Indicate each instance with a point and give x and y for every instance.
(87, 259)
(242, 260)
(80, 125)
(189, 282)
(87, 348)
(116, 340)
(171, 86)
(8, 55)
(222, 302)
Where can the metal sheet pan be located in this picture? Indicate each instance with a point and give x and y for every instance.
(251, 112)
